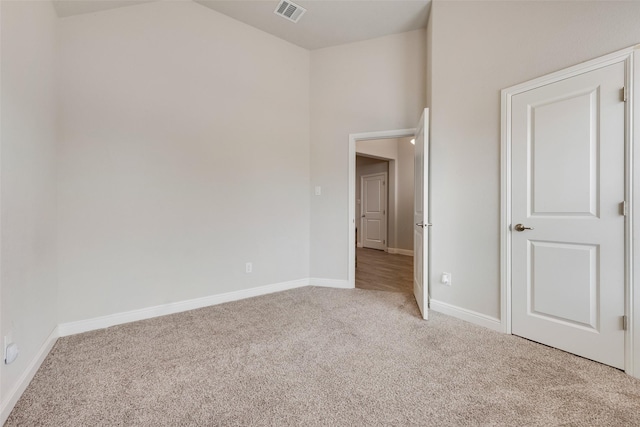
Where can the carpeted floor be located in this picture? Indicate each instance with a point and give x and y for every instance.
(317, 356)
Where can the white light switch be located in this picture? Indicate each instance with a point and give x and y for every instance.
(445, 279)
(318, 190)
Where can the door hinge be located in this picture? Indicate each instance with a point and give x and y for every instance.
(623, 208)
(624, 322)
(624, 94)
(384, 242)
(383, 182)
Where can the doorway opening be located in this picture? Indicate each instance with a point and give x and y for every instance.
(382, 177)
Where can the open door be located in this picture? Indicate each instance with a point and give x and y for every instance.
(420, 216)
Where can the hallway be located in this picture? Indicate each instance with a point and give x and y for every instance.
(381, 271)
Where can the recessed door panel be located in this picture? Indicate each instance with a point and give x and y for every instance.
(563, 283)
(564, 155)
(373, 228)
(373, 190)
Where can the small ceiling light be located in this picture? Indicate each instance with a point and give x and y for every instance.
(413, 141)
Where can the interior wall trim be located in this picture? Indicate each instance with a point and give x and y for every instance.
(398, 251)
(330, 283)
(466, 315)
(78, 327)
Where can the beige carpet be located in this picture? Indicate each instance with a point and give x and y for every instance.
(315, 356)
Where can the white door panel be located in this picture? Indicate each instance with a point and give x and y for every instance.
(565, 144)
(374, 211)
(574, 266)
(567, 185)
(420, 215)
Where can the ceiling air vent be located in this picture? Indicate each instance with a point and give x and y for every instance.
(289, 10)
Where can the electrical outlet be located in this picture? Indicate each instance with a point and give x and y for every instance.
(12, 352)
(10, 349)
(248, 268)
(445, 279)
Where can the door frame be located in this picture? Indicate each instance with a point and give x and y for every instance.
(631, 59)
(386, 207)
(353, 138)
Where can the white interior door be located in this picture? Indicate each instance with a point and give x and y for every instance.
(373, 193)
(420, 215)
(567, 222)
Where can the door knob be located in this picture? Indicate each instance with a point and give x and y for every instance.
(520, 227)
(422, 224)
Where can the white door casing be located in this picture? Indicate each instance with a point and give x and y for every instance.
(568, 186)
(373, 193)
(420, 215)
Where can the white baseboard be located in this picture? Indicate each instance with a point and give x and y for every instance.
(466, 315)
(398, 251)
(330, 283)
(71, 328)
(81, 326)
(14, 394)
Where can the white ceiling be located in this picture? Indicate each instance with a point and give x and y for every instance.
(66, 8)
(326, 22)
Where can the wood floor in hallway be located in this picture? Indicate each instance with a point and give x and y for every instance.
(381, 271)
